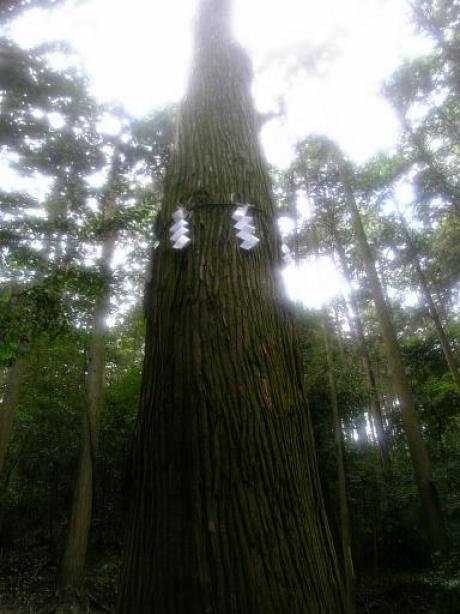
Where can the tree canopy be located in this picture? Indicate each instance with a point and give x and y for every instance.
(177, 392)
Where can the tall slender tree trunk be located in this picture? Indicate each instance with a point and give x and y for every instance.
(8, 407)
(424, 155)
(417, 447)
(226, 514)
(358, 329)
(74, 559)
(340, 344)
(295, 217)
(433, 310)
(344, 514)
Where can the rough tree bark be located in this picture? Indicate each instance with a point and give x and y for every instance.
(74, 559)
(226, 514)
(421, 463)
(344, 513)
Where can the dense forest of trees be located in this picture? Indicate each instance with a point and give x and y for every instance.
(176, 436)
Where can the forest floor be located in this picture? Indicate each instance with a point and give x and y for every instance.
(429, 592)
(28, 586)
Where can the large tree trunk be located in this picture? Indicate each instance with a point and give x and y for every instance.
(74, 559)
(433, 310)
(8, 407)
(344, 514)
(226, 514)
(417, 447)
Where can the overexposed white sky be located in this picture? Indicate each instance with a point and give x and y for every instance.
(139, 53)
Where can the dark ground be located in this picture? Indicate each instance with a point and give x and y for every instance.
(28, 586)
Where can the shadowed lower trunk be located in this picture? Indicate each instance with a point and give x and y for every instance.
(226, 514)
(73, 562)
(8, 407)
(344, 514)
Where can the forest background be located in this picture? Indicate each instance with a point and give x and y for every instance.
(374, 253)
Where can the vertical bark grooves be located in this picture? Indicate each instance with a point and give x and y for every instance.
(74, 559)
(8, 407)
(226, 512)
(345, 525)
(417, 447)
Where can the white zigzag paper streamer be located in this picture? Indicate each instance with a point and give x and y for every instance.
(245, 227)
(178, 232)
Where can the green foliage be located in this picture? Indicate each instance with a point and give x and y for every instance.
(42, 455)
(51, 276)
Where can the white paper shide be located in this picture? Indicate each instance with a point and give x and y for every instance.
(179, 231)
(244, 224)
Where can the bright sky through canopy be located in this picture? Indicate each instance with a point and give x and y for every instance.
(139, 54)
